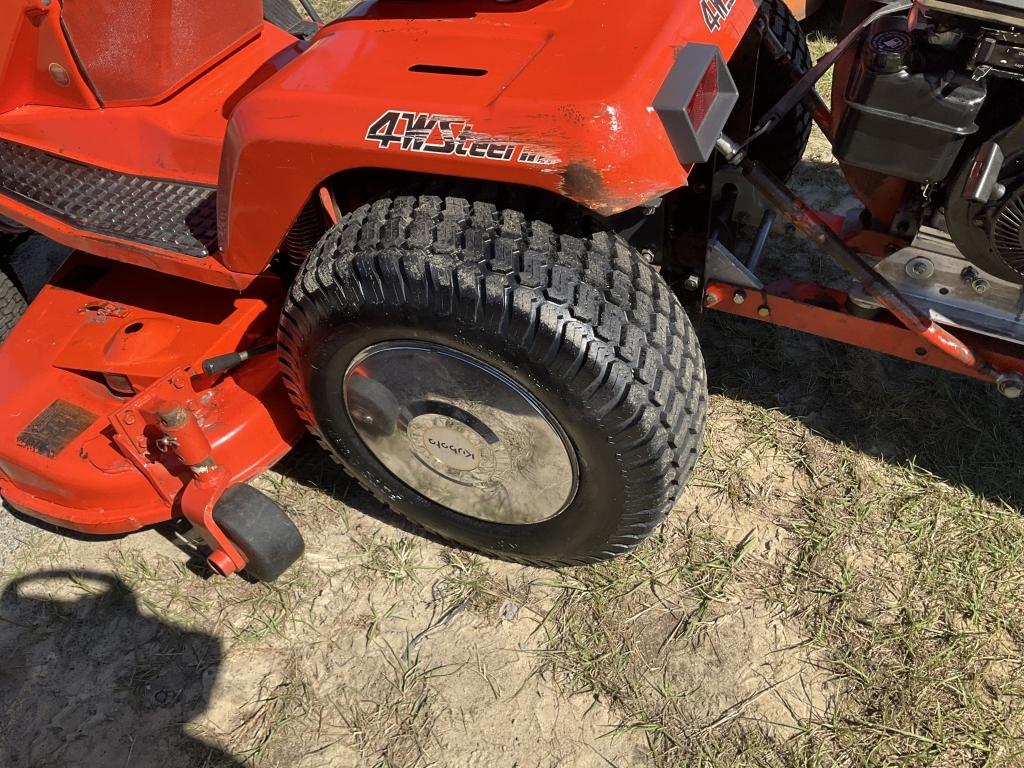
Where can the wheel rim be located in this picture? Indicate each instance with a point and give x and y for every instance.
(460, 432)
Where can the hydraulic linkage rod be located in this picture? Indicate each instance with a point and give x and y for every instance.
(798, 213)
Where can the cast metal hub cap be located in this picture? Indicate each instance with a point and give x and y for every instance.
(460, 432)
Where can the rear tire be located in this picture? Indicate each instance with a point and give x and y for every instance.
(557, 310)
(783, 148)
(12, 302)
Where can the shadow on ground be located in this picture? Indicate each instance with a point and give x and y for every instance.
(960, 430)
(87, 680)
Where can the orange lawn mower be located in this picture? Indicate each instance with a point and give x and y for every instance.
(466, 243)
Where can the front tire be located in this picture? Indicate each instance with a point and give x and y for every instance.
(528, 387)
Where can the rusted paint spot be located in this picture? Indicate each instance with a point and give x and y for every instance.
(581, 182)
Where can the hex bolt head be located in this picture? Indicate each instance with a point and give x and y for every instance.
(739, 297)
(980, 285)
(764, 311)
(920, 268)
(692, 283)
(710, 299)
(59, 74)
(1010, 385)
(128, 418)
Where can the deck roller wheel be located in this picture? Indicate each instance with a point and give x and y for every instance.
(260, 529)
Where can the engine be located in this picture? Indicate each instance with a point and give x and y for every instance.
(936, 97)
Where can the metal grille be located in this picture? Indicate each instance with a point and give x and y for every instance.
(168, 214)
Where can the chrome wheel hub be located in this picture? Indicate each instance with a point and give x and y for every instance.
(460, 432)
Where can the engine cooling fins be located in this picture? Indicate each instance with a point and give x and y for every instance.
(1008, 229)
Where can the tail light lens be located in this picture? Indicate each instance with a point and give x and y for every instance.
(704, 96)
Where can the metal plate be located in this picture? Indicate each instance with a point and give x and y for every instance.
(947, 296)
(460, 432)
(54, 429)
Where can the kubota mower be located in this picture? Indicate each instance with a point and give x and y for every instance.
(464, 243)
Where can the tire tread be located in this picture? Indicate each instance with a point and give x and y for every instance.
(583, 305)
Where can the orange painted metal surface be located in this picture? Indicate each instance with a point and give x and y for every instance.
(80, 455)
(822, 312)
(142, 51)
(295, 114)
(178, 139)
(548, 78)
(536, 94)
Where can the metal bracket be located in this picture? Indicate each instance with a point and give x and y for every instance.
(934, 276)
(722, 266)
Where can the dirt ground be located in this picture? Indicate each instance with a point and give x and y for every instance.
(837, 587)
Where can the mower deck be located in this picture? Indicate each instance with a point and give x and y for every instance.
(99, 354)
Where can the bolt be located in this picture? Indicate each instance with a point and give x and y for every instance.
(739, 297)
(178, 381)
(1010, 385)
(128, 418)
(59, 74)
(710, 299)
(980, 285)
(764, 311)
(920, 268)
(648, 254)
(142, 442)
(692, 283)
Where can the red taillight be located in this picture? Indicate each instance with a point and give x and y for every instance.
(704, 96)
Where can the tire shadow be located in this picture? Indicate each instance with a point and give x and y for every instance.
(91, 682)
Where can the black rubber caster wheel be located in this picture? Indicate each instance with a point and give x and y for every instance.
(258, 526)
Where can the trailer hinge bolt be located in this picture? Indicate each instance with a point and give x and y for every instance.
(710, 299)
(764, 311)
(739, 297)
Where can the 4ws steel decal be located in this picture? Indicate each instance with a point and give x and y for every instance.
(715, 12)
(447, 135)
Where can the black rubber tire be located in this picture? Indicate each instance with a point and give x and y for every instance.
(782, 148)
(12, 302)
(263, 532)
(565, 308)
